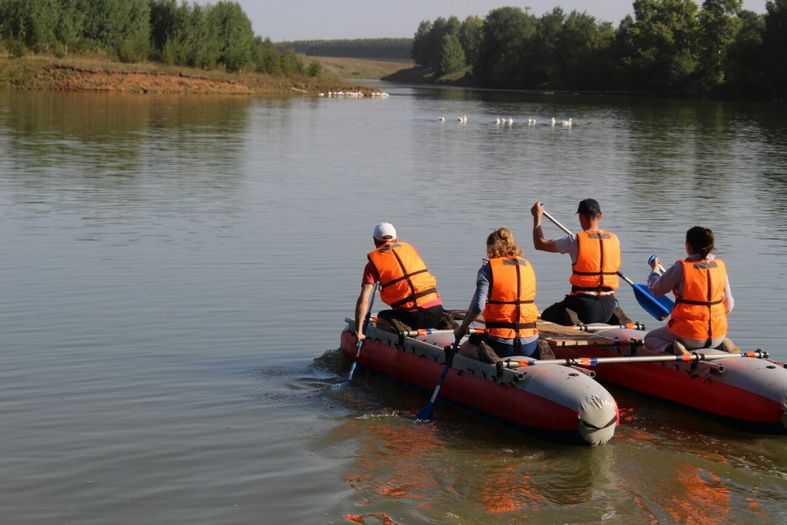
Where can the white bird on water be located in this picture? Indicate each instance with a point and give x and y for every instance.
(441, 119)
(554, 121)
(568, 123)
(462, 119)
(531, 121)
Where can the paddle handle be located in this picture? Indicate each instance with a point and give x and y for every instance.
(654, 256)
(359, 344)
(425, 414)
(557, 223)
(554, 221)
(594, 361)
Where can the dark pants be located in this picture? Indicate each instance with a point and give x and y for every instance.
(502, 349)
(428, 318)
(588, 308)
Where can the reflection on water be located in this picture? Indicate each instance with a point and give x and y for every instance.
(173, 266)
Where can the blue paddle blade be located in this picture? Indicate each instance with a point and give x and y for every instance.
(658, 307)
(425, 414)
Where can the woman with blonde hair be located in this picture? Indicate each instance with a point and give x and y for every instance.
(505, 292)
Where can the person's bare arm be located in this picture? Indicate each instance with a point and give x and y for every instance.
(539, 242)
(361, 308)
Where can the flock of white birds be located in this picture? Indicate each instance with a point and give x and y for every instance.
(509, 121)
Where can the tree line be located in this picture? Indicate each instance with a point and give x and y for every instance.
(385, 48)
(185, 34)
(667, 45)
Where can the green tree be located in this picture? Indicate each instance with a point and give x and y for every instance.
(503, 54)
(718, 25)
(745, 62)
(265, 56)
(440, 28)
(289, 63)
(315, 69)
(230, 26)
(470, 34)
(544, 67)
(31, 22)
(775, 43)
(70, 25)
(452, 56)
(131, 30)
(420, 51)
(582, 44)
(43, 16)
(659, 46)
(202, 43)
(163, 19)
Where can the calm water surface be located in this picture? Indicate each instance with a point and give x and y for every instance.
(177, 270)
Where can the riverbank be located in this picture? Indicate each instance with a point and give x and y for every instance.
(99, 74)
(425, 76)
(359, 68)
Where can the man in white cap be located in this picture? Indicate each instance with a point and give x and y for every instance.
(405, 284)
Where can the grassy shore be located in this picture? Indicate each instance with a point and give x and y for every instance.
(100, 74)
(358, 68)
(421, 75)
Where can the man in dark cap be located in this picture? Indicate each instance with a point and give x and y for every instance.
(595, 261)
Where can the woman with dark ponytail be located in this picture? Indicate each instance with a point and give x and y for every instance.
(702, 298)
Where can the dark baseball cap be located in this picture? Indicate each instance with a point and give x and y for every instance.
(589, 208)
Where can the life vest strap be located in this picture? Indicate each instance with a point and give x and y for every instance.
(402, 278)
(699, 303)
(596, 289)
(514, 326)
(593, 273)
(517, 301)
(413, 297)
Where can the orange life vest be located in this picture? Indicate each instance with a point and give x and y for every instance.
(597, 264)
(510, 310)
(700, 312)
(405, 282)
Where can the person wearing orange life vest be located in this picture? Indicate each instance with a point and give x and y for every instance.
(405, 285)
(505, 293)
(702, 298)
(595, 261)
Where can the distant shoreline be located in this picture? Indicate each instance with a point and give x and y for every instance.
(100, 74)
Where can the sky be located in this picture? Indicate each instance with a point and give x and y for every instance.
(324, 19)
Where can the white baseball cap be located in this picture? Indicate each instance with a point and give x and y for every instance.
(384, 231)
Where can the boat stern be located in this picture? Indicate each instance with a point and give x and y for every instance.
(598, 418)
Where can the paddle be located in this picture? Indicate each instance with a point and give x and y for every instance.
(360, 341)
(589, 327)
(425, 414)
(660, 307)
(594, 361)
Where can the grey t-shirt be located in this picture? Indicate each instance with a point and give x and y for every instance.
(569, 245)
(672, 279)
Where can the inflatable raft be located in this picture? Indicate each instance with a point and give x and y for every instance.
(746, 392)
(556, 401)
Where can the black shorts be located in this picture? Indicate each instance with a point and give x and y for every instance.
(421, 318)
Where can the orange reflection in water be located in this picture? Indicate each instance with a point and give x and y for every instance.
(696, 500)
(380, 517)
(507, 489)
(396, 461)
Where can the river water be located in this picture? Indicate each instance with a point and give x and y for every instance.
(177, 270)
